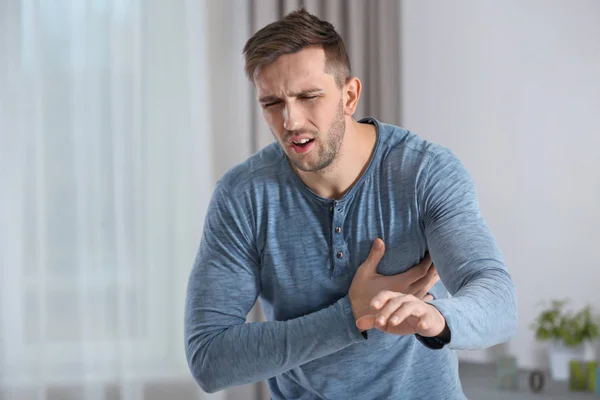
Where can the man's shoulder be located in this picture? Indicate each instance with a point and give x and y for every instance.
(263, 165)
(413, 150)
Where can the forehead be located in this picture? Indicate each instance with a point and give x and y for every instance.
(291, 72)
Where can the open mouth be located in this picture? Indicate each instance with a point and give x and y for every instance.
(302, 146)
(302, 142)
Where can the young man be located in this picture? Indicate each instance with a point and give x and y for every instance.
(324, 226)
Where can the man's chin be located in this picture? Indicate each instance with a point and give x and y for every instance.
(306, 163)
(304, 167)
(301, 165)
(309, 167)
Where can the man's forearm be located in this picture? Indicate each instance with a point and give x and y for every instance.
(483, 312)
(251, 352)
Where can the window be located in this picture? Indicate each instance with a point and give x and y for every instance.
(84, 287)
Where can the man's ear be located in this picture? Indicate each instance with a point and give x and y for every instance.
(351, 94)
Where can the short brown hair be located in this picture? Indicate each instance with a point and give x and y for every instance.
(296, 31)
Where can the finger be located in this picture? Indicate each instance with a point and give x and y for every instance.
(425, 262)
(424, 265)
(422, 292)
(366, 322)
(425, 279)
(422, 286)
(382, 298)
(375, 255)
(392, 306)
(415, 273)
(408, 308)
(427, 297)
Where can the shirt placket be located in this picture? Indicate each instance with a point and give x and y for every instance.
(339, 244)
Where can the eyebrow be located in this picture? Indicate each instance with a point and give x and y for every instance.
(271, 98)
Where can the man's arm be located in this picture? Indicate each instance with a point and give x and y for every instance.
(222, 350)
(482, 311)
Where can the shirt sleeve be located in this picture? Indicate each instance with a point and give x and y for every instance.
(221, 348)
(482, 310)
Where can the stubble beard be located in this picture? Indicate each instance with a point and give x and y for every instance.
(328, 151)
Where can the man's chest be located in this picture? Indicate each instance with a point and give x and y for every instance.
(309, 258)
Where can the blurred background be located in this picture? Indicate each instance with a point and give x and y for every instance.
(118, 116)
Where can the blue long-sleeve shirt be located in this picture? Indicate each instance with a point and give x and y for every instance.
(268, 236)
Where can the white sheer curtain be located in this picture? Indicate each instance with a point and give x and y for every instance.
(106, 169)
(116, 119)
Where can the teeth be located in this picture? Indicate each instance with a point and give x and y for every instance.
(302, 141)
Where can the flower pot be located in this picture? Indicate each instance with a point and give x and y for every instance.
(589, 351)
(560, 357)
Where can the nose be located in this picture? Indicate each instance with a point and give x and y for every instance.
(292, 118)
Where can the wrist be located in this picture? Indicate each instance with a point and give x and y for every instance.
(441, 326)
(439, 340)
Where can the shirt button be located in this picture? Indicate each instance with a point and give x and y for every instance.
(339, 254)
(338, 229)
(331, 209)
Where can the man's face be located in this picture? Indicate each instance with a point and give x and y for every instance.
(303, 107)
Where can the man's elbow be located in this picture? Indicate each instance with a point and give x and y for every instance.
(201, 370)
(507, 306)
(509, 321)
(207, 386)
(513, 320)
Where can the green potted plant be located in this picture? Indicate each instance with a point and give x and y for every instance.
(571, 335)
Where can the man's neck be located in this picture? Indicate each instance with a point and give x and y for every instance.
(350, 163)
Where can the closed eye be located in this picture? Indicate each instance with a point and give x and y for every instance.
(274, 103)
(279, 102)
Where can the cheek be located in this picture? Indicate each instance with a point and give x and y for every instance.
(324, 118)
(273, 116)
(274, 120)
(316, 114)
(327, 110)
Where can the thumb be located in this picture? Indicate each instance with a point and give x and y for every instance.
(366, 322)
(375, 255)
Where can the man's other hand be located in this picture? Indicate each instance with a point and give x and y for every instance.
(367, 283)
(402, 314)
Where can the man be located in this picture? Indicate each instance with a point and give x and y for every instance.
(323, 226)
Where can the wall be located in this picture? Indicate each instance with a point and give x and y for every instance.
(513, 88)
